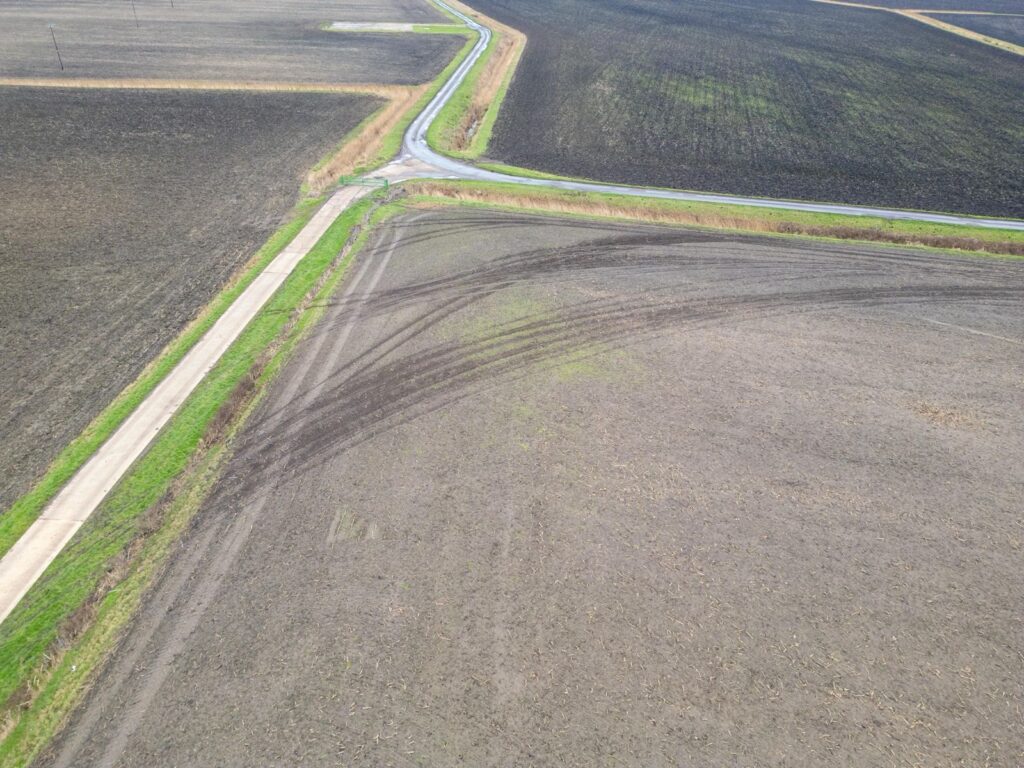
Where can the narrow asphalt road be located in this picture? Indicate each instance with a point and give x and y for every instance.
(415, 147)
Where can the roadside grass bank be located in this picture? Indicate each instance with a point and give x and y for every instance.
(719, 216)
(391, 142)
(363, 145)
(59, 635)
(464, 125)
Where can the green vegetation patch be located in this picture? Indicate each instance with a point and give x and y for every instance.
(392, 142)
(451, 117)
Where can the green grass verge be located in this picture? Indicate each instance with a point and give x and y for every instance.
(712, 215)
(73, 577)
(392, 142)
(26, 509)
(443, 29)
(419, 29)
(527, 173)
(482, 138)
(452, 114)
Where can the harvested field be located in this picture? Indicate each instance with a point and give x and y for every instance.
(1008, 28)
(781, 98)
(595, 495)
(124, 212)
(989, 6)
(234, 40)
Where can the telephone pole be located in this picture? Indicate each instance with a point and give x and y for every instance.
(56, 47)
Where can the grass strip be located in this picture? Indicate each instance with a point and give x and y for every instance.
(482, 136)
(392, 142)
(599, 205)
(464, 126)
(26, 509)
(450, 120)
(31, 633)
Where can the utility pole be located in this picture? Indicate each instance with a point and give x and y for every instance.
(134, 13)
(55, 47)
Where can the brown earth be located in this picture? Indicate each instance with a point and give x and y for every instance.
(560, 493)
(124, 213)
(235, 40)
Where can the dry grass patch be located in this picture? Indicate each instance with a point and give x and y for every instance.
(508, 48)
(968, 33)
(366, 145)
(947, 417)
(717, 217)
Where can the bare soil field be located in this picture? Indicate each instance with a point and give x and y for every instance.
(779, 98)
(235, 41)
(560, 493)
(1008, 28)
(124, 212)
(989, 6)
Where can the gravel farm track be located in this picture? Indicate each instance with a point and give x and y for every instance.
(605, 495)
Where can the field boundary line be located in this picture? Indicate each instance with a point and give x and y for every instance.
(995, 42)
(38, 546)
(922, 17)
(384, 90)
(779, 223)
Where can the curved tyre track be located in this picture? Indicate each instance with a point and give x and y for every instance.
(521, 506)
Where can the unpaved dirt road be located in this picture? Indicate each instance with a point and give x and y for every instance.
(538, 492)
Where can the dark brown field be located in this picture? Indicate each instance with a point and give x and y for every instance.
(996, 6)
(1009, 28)
(560, 493)
(774, 98)
(234, 41)
(124, 212)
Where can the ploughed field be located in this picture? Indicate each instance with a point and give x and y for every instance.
(989, 6)
(779, 98)
(562, 493)
(234, 40)
(1009, 28)
(124, 212)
